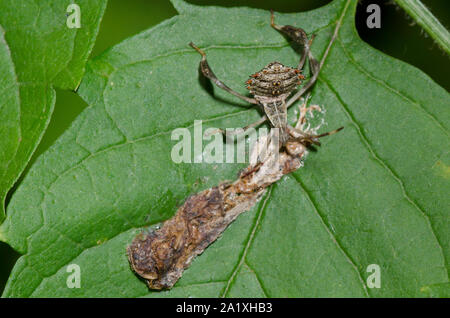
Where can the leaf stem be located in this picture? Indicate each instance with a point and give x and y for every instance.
(427, 21)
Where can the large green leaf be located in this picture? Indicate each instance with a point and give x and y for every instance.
(373, 194)
(37, 52)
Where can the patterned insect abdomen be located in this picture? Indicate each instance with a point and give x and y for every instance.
(276, 112)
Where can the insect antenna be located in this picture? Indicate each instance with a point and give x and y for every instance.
(308, 139)
(314, 138)
(328, 133)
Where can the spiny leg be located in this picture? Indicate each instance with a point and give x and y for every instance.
(315, 69)
(316, 66)
(242, 131)
(303, 137)
(298, 35)
(312, 139)
(328, 133)
(239, 131)
(208, 73)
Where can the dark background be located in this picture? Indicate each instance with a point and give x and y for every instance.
(397, 37)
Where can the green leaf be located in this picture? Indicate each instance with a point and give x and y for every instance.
(437, 290)
(376, 193)
(427, 21)
(37, 52)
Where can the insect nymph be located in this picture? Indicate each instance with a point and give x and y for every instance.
(272, 86)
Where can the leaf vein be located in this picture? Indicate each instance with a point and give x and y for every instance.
(251, 236)
(386, 166)
(263, 288)
(389, 87)
(334, 238)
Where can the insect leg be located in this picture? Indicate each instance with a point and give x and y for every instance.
(315, 68)
(312, 139)
(328, 133)
(240, 131)
(208, 73)
(298, 35)
(303, 137)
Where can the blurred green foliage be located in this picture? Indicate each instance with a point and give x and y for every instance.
(397, 37)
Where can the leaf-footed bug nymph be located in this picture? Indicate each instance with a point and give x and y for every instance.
(272, 86)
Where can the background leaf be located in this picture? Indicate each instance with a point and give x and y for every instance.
(437, 290)
(37, 52)
(427, 21)
(373, 194)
